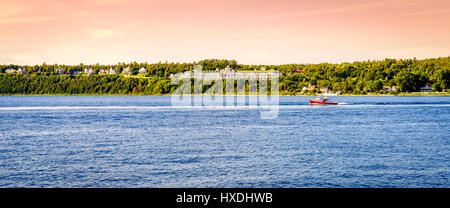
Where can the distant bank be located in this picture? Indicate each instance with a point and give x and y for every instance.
(383, 77)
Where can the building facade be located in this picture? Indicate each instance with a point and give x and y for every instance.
(227, 73)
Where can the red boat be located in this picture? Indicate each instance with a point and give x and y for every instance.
(322, 101)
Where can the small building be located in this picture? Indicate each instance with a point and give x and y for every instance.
(312, 87)
(390, 88)
(126, 70)
(142, 70)
(102, 72)
(394, 88)
(59, 70)
(21, 71)
(10, 71)
(89, 71)
(426, 88)
(76, 72)
(304, 89)
(297, 71)
(112, 70)
(324, 89)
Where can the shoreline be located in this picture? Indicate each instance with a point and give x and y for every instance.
(296, 95)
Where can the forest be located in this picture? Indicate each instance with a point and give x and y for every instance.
(407, 75)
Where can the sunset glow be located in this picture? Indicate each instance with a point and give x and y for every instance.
(249, 31)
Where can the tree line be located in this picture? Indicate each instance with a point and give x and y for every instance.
(409, 75)
(105, 84)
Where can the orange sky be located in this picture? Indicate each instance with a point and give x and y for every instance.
(249, 31)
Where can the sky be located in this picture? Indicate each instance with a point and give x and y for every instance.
(248, 31)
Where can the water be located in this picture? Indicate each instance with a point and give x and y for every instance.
(142, 141)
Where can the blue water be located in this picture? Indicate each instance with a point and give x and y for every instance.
(142, 141)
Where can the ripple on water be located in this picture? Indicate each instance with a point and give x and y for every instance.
(139, 141)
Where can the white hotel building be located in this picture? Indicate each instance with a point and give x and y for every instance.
(227, 73)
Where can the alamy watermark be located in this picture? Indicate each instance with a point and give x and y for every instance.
(228, 88)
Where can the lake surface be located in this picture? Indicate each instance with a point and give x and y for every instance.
(143, 141)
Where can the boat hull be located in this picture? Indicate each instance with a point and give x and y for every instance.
(315, 102)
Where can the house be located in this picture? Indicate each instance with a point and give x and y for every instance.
(76, 72)
(142, 70)
(59, 70)
(89, 71)
(126, 70)
(297, 71)
(304, 89)
(324, 89)
(394, 88)
(390, 88)
(112, 70)
(21, 71)
(102, 72)
(311, 87)
(426, 88)
(9, 71)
